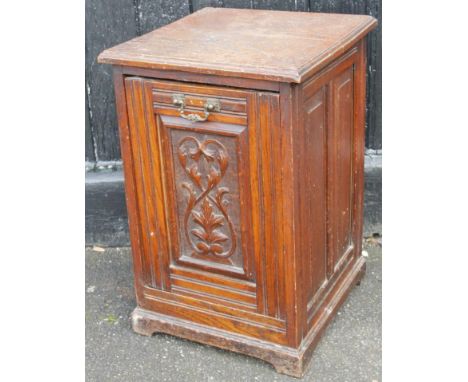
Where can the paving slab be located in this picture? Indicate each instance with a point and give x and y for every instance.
(350, 350)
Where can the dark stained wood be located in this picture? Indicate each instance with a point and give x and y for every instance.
(237, 82)
(245, 43)
(269, 126)
(290, 98)
(130, 182)
(285, 360)
(246, 225)
(313, 214)
(340, 168)
(190, 305)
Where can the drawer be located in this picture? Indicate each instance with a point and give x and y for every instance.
(198, 103)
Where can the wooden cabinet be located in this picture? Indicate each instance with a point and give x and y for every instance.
(243, 154)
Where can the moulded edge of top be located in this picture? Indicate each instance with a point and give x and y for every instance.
(294, 75)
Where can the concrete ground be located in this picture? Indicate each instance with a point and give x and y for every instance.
(349, 351)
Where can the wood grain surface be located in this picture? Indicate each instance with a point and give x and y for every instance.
(245, 218)
(272, 45)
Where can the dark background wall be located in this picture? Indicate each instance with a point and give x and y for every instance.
(109, 22)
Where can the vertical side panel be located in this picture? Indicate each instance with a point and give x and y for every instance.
(143, 179)
(276, 187)
(255, 171)
(160, 204)
(331, 153)
(340, 170)
(289, 137)
(313, 207)
(269, 125)
(130, 188)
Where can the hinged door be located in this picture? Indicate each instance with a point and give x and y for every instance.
(197, 162)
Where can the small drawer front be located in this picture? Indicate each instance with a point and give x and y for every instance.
(199, 103)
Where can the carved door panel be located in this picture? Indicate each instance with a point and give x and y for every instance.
(207, 194)
(197, 187)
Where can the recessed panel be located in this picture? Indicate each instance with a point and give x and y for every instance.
(340, 171)
(313, 210)
(207, 194)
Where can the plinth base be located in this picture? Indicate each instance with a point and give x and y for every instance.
(284, 359)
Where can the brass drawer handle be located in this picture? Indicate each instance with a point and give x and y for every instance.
(210, 106)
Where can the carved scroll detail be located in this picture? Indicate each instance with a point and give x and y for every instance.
(207, 226)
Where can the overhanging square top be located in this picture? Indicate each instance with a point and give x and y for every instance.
(245, 43)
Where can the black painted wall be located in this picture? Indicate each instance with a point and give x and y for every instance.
(109, 22)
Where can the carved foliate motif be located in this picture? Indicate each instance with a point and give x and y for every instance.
(207, 225)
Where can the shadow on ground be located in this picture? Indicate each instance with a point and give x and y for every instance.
(349, 351)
